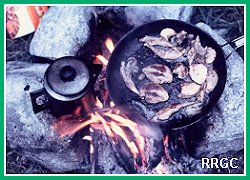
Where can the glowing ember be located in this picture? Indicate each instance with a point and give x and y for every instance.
(77, 111)
(109, 44)
(167, 155)
(165, 140)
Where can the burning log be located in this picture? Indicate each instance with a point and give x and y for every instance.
(139, 146)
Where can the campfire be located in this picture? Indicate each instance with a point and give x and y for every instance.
(136, 140)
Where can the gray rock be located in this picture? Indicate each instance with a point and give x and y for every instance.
(226, 123)
(138, 15)
(62, 31)
(32, 134)
(65, 31)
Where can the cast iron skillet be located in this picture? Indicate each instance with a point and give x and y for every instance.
(129, 46)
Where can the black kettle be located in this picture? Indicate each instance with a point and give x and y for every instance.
(66, 81)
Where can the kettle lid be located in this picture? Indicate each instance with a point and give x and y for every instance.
(67, 77)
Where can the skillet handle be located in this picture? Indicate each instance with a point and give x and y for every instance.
(236, 43)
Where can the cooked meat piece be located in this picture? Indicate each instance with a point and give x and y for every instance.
(190, 36)
(180, 70)
(180, 37)
(153, 93)
(198, 73)
(193, 109)
(198, 47)
(181, 34)
(165, 113)
(167, 33)
(191, 55)
(200, 54)
(158, 73)
(201, 94)
(189, 89)
(141, 76)
(170, 54)
(210, 56)
(126, 71)
(156, 41)
(212, 80)
(196, 52)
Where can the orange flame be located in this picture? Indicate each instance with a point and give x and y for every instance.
(134, 128)
(165, 141)
(102, 59)
(112, 122)
(67, 127)
(98, 104)
(109, 44)
(119, 131)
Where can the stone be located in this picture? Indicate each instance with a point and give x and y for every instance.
(225, 123)
(32, 134)
(63, 31)
(137, 15)
(67, 31)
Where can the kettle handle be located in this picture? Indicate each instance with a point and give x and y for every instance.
(34, 96)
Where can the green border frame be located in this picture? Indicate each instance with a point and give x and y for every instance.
(2, 51)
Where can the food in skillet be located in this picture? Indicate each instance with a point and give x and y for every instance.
(169, 54)
(153, 93)
(189, 89)
(198, 73)
(185, 67)
(166, 112)
(180, 70)
(127, 70)
(158, 73)
(212, 80)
